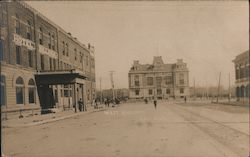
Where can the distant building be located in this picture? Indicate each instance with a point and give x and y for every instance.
(42, 66)
(242, 78)
(158, 79)
(108, 93)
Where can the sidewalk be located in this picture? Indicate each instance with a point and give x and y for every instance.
(46, 118)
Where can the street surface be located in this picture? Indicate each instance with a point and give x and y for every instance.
(138, 130)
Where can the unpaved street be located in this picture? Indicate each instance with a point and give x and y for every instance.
(137, 129)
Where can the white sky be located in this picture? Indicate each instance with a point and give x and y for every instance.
(206, 35)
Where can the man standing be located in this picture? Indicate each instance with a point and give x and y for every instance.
(155, 102)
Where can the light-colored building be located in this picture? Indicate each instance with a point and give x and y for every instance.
(242, 77)
(158, 79)
(42, 65)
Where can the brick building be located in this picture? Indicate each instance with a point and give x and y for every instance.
(242, 77)
(158, 79)
(42, 66)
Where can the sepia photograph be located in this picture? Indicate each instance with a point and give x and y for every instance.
(124, 78)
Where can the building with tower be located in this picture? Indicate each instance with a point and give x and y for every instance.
(158, 80)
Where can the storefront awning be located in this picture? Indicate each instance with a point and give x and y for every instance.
(62, 77)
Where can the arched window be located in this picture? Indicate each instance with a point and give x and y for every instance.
(32, 96)
(19, 91)
(3, 92)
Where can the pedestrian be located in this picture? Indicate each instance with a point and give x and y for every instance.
(80, 104)
(185, 98)
(155, 102)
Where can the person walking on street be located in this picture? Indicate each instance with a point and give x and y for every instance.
(155, 102)
(185, 99)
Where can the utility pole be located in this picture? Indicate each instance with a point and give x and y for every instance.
(112, 83)
(194, 89)
(100, 90)
(229, 92)
(218, 93)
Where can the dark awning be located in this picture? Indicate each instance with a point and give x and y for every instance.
(59, 77)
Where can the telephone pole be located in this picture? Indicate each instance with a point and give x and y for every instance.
(101, 90)
(218, 93)
(112, 83)
(229, 92)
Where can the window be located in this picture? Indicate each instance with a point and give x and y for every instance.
(30, 58)
(63, 51)
(1, 50)
(50, 64)
(159, 91)
(28, 30)
(137, 92)
(81, 57)
(54, 64)
(168, 80)
(181, 79)
(17, 24)
(67, 49)
(150, 81)
(158, 81)
(31, 86)
(49, 44)
(19, 91)
(40, 35)
(87, 60)
(3, 92)
(150, 92)
(137, 82)
(168, 91)
(18, 55)
(53, 41)
(181, 90)
(42, 62)
(75, 54)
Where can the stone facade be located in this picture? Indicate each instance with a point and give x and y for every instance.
(31, 43)
(158, 80)
(242, 77)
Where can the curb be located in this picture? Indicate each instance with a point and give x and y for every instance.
(52, 120)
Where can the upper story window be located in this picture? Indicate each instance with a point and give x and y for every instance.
(18, 55)
(17, 24)
(75, 54)
(67, 49)
(29, 30)
(81, 57)
(63, 50)
(150, 81)
(40, 36)
(168, 80)
(53, 42)
(137, 82)
(30, 58)
(181, 79)
(158, 81)
(50, 40)
(87, 60)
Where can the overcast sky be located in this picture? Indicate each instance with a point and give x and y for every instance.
(206, 35)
